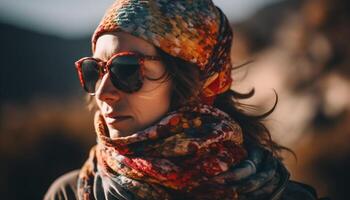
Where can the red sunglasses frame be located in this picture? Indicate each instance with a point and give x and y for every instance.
(104, 67)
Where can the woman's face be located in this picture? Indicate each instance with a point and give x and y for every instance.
(126, 113)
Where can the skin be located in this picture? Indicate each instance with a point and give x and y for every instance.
(142, 108)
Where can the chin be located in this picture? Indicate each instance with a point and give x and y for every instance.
(115, 132)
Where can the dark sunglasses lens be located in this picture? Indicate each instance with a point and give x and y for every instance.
(90, 72)
(125, 73)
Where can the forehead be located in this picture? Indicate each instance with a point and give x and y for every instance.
(111, 43)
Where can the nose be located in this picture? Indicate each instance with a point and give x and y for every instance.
(106, 91)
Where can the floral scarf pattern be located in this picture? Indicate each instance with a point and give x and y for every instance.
(181, 154)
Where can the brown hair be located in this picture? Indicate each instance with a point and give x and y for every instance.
(186, 85)
(185, 77)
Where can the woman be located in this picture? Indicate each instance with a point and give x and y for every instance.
(168, 125)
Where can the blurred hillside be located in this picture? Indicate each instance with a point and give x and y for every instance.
(42, 124)
(299, 48)
(38, 65)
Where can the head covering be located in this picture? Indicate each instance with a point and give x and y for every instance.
(193, 30)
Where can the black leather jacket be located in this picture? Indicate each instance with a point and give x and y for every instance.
(293, 190)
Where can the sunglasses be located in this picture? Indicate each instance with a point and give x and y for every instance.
(126, 70)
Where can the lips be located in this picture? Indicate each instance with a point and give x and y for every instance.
(113, 118)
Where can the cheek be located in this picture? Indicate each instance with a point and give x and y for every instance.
(152, 105)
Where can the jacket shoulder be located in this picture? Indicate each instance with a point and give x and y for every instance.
(292, 190)
(298, 191)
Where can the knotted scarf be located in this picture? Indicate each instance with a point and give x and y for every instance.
(195, 152)
(178, 155)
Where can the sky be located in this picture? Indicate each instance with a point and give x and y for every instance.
(78, 18)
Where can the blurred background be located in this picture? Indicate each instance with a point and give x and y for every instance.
(300, 48)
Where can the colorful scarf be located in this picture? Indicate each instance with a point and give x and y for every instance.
(179, 155)
(193, 30)
(193, 153)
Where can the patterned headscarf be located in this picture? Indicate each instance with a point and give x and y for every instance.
(193, 30)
